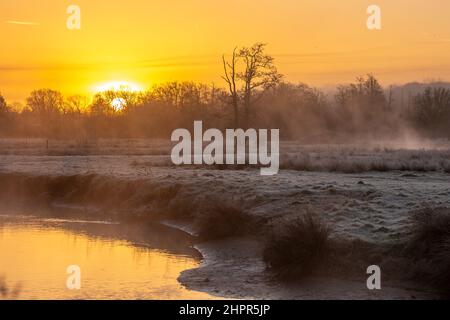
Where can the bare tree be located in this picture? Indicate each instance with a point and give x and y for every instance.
(365, 93)
(46, 102)
(76, 104)
(260, 73)
(102, 104)
(432, 108)
(3, 106)
(229, 69)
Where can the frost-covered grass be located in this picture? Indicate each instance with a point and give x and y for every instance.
(52, 147)
(362, 160)
(423, 156)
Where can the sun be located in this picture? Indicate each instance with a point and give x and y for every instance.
(118, 104)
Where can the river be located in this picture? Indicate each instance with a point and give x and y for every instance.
(116, 262)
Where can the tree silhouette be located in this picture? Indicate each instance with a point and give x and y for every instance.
(76, 104)
(259, 73)
(229, 69)
(101, 105)
(3, 105)
(432, 108)
(365, 93)
(362, 103)
(46, 102)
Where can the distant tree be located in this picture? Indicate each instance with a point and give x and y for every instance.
(17, 107)
(365, 93)
(181, 95)
(130, 97)
(168, 93)
(101, 105)
(4, 121)
(363, 105)
(432, 108)
(75, 104)
(46, 102)
(115, 102)
(297, 109)
(3, 106)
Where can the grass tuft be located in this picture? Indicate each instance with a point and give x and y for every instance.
(299, 248)
(429, 247)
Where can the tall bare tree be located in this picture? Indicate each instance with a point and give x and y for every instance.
(260, 73)
(230, 77)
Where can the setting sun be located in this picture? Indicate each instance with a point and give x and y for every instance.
(119, 104)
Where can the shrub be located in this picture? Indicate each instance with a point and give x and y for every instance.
(429, 247)
(298, 248)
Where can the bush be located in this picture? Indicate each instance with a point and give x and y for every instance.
(298, 248)
(429, 247)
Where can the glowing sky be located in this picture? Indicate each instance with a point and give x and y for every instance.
(321, 42)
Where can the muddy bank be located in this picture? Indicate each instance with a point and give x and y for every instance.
(234, 268)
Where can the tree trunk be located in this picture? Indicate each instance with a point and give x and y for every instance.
(236, 112)
(247, 106)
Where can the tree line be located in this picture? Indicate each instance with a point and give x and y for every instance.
(254, 95)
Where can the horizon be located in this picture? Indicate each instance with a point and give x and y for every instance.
(151, 43)
(123, 86)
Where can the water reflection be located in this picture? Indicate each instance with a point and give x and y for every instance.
(117, 262)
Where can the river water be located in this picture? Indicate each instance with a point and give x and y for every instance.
(125, 264)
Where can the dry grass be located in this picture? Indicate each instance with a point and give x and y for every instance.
(298, 248)
(348, 160)
(304, 247)
(429, 247)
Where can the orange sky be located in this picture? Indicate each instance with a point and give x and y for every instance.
(321, 42)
